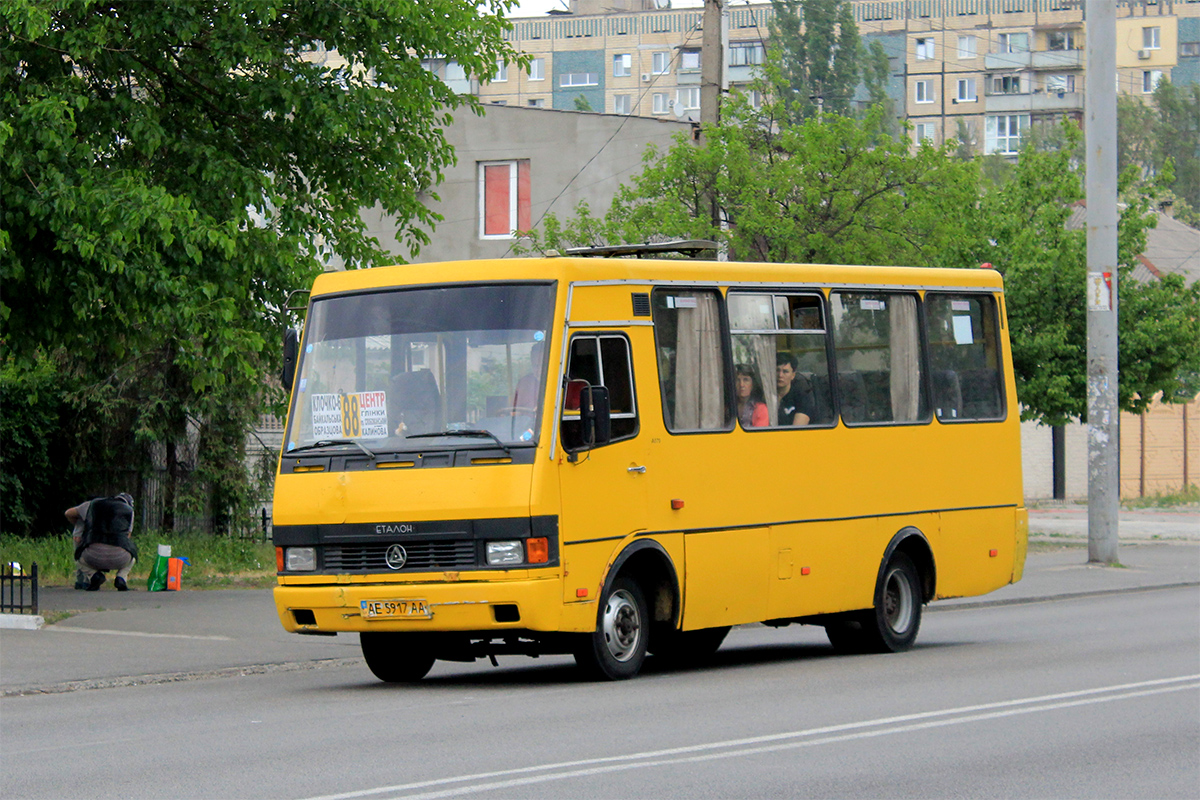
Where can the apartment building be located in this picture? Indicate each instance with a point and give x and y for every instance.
(979, 71)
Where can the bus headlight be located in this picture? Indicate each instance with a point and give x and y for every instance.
(300, 559)
(501, 553)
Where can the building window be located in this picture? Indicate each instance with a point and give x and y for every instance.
(1060, 84)
(1060, 40)
(688, 99)
(755, 99)
(966, 90)
(537, 69)
(1008, 84)
(621, 104)
(1150, 38)
(1003, 133)
(622, 65)
(1151, 78)
(925, 131)
(499, 102)
(660, 103)
(966, 47)
(1012, 43)
(1187, 49)
(742, 55)
(455, 71)
(661, 63)
(923, 91)
(501, 72)
(579, 79)
(537, 103)
(924, 49)
(503, 198)
(689, 60)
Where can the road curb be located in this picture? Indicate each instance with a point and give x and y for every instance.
(1017, 601)
(21, 622)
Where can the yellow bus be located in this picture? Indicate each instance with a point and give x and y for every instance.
(609, 457)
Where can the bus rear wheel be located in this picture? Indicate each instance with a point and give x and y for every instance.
(396, 657)
(616, 649)
(892, 625)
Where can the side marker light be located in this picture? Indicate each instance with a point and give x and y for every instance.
(581, 592)
(676, 504)
(805, 570)
(993, 553)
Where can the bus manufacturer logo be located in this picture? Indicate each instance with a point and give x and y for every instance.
(396, 556)
(399, 527)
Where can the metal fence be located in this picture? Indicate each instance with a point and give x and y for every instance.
(18, 589)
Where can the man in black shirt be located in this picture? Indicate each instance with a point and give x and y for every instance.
(796, 401)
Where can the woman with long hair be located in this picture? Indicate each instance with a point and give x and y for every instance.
(751, 408)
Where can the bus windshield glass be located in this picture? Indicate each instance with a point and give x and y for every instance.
(429, 367)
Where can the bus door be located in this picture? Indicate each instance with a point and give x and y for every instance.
(603, 488)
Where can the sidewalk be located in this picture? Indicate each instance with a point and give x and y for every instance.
(127, 638)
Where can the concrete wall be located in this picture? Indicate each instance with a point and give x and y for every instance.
(1152, 455)
(572, 157)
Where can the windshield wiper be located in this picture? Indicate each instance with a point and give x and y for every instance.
(464, 432)
(331, 443)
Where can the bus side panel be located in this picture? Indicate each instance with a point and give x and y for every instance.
(976, 551)
(725, 580)
(840, 574)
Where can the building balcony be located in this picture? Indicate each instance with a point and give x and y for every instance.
(1057, 59)
(1036, 103)
(1007, 61)
(687, 77)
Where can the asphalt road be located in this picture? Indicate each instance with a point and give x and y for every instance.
(1083, 697)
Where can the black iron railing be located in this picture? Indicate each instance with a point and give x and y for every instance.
(18, 589)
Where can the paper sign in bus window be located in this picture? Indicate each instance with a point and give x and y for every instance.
(362, 415)
(962, 330)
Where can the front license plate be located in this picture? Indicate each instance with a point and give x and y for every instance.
(407, 609)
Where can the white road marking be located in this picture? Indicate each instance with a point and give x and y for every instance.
(138, 633)
(733, 748)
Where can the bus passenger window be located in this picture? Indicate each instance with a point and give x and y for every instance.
(878, 347)
(779, 343)
(602, 360)
(691, 360)
(964, 356)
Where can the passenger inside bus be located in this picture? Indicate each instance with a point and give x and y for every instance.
(526, 396)
(796, 402)
(751, 410)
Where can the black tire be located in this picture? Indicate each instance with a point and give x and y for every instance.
(892, 625)
(396, 657)
(616, 649)
(685, 648)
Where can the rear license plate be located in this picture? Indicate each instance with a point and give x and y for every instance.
(407, 609)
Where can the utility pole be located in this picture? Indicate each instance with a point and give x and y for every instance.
(712, 68)
(712, 62)
(1100, 134)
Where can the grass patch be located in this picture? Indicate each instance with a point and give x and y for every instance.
(1185, 497)
(213, 561)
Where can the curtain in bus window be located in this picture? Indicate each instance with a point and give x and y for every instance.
(757, 351)
(687, 330)
(878, 350)
(906, 359)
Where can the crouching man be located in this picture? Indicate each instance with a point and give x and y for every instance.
(102, 540)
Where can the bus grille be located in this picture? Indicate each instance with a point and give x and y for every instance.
(421, 556)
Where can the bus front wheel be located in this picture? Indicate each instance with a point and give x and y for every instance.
(616, 649)
(396, 657)
(892, 625)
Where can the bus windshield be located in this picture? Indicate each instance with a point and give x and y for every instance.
(428, 367)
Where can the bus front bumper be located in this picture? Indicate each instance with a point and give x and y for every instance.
(483, 606)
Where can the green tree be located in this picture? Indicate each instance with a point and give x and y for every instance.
(1164, 136)
(171, 169)
(1044, 263)
(817, 60)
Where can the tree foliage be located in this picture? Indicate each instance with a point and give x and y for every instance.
(171, 169)
(1160, 139)
(817, 60)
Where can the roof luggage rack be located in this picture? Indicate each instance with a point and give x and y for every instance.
(689, 247)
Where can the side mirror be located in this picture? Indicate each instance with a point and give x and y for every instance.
(291, 347)
(595, 416)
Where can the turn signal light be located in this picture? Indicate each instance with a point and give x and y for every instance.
(537, 551)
